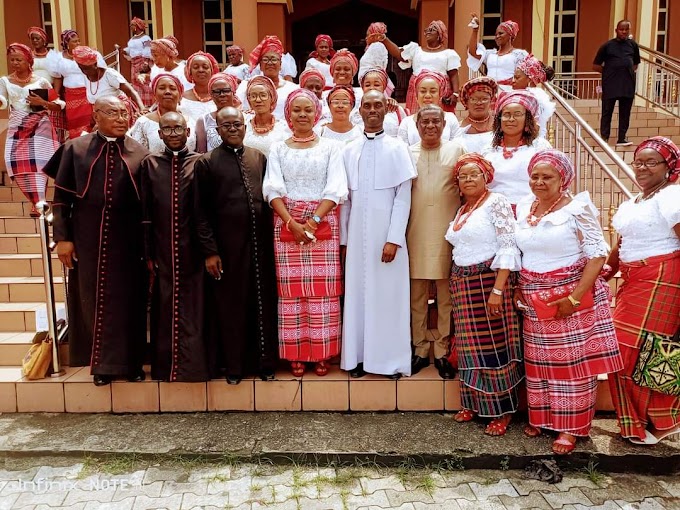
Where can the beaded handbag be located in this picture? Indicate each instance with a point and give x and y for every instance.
(658, 365)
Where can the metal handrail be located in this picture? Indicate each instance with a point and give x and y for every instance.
(115, 55)
(658, 84)
(663, 57)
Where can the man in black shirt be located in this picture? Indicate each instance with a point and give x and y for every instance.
(617, 60)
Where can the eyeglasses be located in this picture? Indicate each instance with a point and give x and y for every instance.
(221, 92)
(430, 31)
(177, 130)
(469, 177)
(270, 60)
(475, 100)
(513, 116)
(650, 163)
(262, 96)
(114, 114)
(231, 125)
(340, 102)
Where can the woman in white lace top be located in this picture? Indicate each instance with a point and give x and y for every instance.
(515, 141)
(486, 337)
(263, 129)
(304, 183)
(168, 90)
(222, 87)
(198, 101)
(479, 99)
(569, 336)
(648, 302)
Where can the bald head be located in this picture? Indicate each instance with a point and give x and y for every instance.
(172, 117)
(228, 111)
(111, 116)
(373, 104)
(230, 126)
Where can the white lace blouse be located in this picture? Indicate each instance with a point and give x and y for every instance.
(440, 61)
(562, 237)
(317, 173)
(408, 132)
(323, 68)
(498, 67)
(194, 110)
(177, 72)
(475, 142)
(45, 66)
(352, 134)
(70, 72)
(241, 71)
(646, 227)
(264, 142)
(489, 233)
(145, 131)
(512, 178)
(108, 85)
(15, 96)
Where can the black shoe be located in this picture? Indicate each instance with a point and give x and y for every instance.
(233, 379)
(418, 363)
(395, 377)
(102, 380)
(267, 375)
(445, 369)
(138, 376)
(357, 371)
(624, 143)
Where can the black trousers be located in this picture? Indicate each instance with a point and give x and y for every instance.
(625, 106)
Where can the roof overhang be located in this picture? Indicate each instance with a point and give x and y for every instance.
(287, 3)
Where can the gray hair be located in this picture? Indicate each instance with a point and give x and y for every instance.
(429, 108)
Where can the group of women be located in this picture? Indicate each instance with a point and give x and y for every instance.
(520, 241)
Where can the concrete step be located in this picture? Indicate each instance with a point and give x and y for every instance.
(12, 193)
(26, 264)
(14, 345)
(19, 317)
(20, 243)
(27, 289)
(18, 225)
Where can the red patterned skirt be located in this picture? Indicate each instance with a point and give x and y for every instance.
(648, 301)
(78, 111)
(309, 282)
(31, 142)
(562, 357)
(141, 79)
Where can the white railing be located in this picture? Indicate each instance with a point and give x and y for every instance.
(113, 59)
(599, 169)
(580, 85)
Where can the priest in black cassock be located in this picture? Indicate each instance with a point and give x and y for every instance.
(98, 230)
(173, 255)
(236, 234)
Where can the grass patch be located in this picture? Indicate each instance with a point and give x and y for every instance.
(593, 474)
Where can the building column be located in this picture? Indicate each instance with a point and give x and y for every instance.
(461, 32)
(93, 22)
(271, 20)
(244, 15)
(166, 17)
(542, 30)
(644, 29)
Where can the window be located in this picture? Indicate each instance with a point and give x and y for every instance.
(48, 26)
(662, 26)
(564, 41)
(142, 9)
(218, 32)
(491, 18)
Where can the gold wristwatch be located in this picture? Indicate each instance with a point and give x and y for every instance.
(574, 302)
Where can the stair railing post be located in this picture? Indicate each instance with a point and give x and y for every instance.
(46, 250)
(577, 155)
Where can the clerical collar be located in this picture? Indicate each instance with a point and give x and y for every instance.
(107, 138)
(373, 136)
(235, 150)
(180, 152)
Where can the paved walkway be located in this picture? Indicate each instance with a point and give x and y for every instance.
(123, 482)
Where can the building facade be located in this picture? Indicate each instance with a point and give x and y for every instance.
(563, 33)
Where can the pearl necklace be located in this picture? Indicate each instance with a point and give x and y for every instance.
(305, 139)
(508, 153)
(263, 130)
(433, 48)
(457, 223)
(532, 212)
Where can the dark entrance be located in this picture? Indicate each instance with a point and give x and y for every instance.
(346, 22)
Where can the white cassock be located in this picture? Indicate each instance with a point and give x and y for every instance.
(376, 326)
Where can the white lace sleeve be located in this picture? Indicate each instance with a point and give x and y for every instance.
(138, 133)
(669, 204)
(473, 63)
(274, 185)
(452, 60)
(408, 53)
(402, 132)
(508, 255)
(591, 237)
(336, 177)
(4, 103)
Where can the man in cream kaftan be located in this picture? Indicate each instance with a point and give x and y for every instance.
(376, 326)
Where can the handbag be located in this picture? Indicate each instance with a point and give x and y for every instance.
(658, 364)
(36, 364)
(322, 233)
(540, 300)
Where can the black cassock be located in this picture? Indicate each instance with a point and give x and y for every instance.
(177, 347)
(97, 206)
(236, 224)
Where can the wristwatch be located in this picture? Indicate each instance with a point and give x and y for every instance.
(574, 302)
(316, 218)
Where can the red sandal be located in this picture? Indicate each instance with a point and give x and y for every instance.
(568, 444)
(464, 415)
(531, 431)
(497, 427)
(321, 368)
(297, 368)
